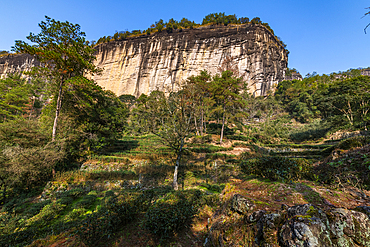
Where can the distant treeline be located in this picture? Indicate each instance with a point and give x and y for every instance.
(342, 98)
(172, 25)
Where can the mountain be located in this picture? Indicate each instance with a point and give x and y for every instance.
(163, 60)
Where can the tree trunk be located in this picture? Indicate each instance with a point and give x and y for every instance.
(4, 191)
(201, 124)
(196, 126)
(205, 126)
(175, 185)
(33, 103)
(59, 105)
(223, 126)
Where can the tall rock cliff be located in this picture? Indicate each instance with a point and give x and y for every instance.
(164, 60)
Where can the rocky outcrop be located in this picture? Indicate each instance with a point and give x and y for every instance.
(293, 76)
(163, 61)
(300, 225)
(16, 63)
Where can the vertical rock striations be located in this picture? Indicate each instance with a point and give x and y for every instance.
(16, 63)
(164, 60)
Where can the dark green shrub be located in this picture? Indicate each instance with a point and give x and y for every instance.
(213, 187)
(20, 238)
(172, 213)
(35, 208)
(145, 199)
(209, 149)
(86, 201)
(202, 139)
(277, 168)
(353, 142)
(312, 131)
(211, 200)
(75, 214)
(47, 214)
(238, 138)
(115, 212)
(73, 193)
(109, 193)
(65, 200)
(351, 168)
(214, 156)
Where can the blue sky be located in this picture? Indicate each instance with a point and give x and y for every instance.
(323, 36)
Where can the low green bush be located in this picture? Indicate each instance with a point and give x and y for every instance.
(353, 142)
(209, 149)
(145, 199)
(202, 139)
(313, 131)
(35, 208)
(351, 168)
(86, 201)
(75, 214)
(73, 193)
(277, 168)
(114, 212)
(46, 215)
(213, 187)
(65, 200)
(214, 156)
(238, 138)
(172, 213)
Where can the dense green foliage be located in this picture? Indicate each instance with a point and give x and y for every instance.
(172, 213)
(91, 116)
(277, 168)
(342, 100)
(62, 48)
(96, 216)
(26, 157)
(19, 97)
(352, 169)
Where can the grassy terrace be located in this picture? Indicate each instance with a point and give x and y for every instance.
(111, 199)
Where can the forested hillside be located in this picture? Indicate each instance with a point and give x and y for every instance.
(207, 165)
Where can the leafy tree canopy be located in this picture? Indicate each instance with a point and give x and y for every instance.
(65, 53)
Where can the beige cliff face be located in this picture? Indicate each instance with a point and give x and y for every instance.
(164, 60)
(18, 63)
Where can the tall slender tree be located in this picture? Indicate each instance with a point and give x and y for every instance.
(170, 118)
(64, 52)
(198, 87)
(225, 90)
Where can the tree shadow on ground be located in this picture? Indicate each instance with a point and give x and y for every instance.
(310, 195)
(120, 146)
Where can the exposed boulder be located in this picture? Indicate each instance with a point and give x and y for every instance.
(304, 225)
(240, 204)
